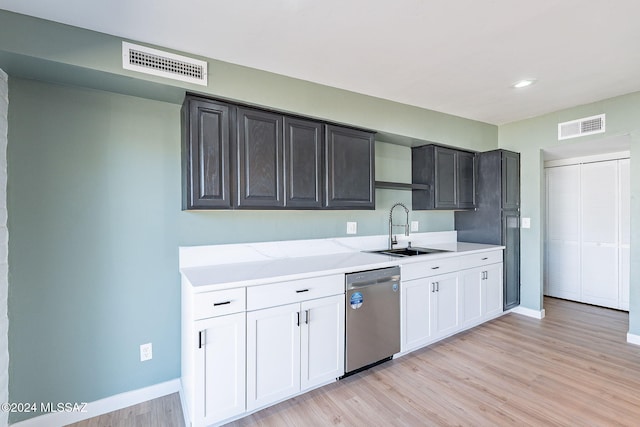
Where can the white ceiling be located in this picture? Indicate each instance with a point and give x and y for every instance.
(455, 56)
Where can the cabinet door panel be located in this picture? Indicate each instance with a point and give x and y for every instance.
(205, 154)
(447, 306)
(350, 168)
(563, 270)
(446, 180)
(260, 159)
(466, 180)
(322, 341)
(416, 312)
(303, 162)
(510, 180)
(273, 355)
(473, 304)
(511, 236)
(492, 291)
(220, 378)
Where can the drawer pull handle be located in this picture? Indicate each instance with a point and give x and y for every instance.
(302, 290)
(485, 258)
(215, 304)
(199, 339)
(435, 268)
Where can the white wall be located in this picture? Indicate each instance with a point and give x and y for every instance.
(4, 237)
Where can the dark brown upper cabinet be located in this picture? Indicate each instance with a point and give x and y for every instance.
(450, 175)
(206, 154)
(238, 156)
(260, 169)
(303, 142)
(350, 168)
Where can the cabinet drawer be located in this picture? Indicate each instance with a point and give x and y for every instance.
(430, 268)
(478, 260)
(294, 291)
(218, 303)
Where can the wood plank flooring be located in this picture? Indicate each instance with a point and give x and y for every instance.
(573, 368)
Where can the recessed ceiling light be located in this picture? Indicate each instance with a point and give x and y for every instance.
(523, 83)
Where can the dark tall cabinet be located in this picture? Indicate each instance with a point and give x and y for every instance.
(497, 217)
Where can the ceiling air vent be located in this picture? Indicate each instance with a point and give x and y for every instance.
(155, 62)
(581, 127)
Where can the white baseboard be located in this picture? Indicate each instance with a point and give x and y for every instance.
(536, 314)
(633, 339)
(103, 406)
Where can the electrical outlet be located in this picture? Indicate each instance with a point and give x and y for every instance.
(146, 352)
(352, 227)
(526, 222)
(415, 226)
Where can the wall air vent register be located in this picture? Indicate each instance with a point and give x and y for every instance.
(163, 64)
(581, 127)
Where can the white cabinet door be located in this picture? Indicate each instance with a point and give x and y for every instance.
(472, 300)
(322, 340)
(273, 354)
(416, 313)
(220, 368)
(446, 304)
(492, 291)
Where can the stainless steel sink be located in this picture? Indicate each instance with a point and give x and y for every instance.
(412, 251)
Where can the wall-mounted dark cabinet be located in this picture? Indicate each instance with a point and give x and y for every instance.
(350, 168)
(450, 175)
(260, 168)
(303, 147)
(237, 156)
(206, 154)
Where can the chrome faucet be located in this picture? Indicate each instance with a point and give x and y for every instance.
(392, 238)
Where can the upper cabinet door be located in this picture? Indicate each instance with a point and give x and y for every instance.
(350, 168)
(446, 181)
(303, 144)
(205, 155)
(260, 172)
(466, 180)
(510, 180)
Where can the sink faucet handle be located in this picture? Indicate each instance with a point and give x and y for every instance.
(409, 245)
(394, 240)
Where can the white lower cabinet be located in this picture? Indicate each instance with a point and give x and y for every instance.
(436, 306)
(220, 358)
(482, 294)
(292, 348)
(445, 304)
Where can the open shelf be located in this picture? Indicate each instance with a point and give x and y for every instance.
(401, 186)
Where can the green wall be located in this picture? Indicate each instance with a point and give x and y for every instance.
(530, 137)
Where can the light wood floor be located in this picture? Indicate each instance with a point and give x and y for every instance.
(573, 368)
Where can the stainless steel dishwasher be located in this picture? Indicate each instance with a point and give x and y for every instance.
(372, 317)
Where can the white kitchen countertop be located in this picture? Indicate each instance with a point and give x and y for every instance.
(205, 278)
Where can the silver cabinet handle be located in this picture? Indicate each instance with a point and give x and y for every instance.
(433, 287)
(435, 268)
(307, 316)
(437, 286)
(485, 258)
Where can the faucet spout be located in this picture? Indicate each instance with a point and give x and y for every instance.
(392, 238)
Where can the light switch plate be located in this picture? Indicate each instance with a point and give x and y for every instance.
(352, 227)
(415, 226)
(146, 352)
(526, 222)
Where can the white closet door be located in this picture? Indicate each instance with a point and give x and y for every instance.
(563, 232)
(599, 194)
(625, 235)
